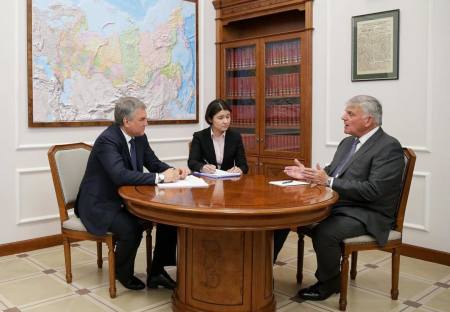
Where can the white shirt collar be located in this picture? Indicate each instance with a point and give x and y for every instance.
(367, 136)
(212, 133)
(127, 137)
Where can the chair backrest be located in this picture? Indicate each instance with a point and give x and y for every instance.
(67, 165)
(410, 161)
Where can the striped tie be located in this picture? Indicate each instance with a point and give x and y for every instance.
(344, 161)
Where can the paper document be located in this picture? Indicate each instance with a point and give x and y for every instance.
(219, 174)
(288, 182)
(189, 182)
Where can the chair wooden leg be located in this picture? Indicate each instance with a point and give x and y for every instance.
(354, 265)
(344, 281)
(99, 255)
(112, 268)
(68, 259)
(395, 273)
(300, 256)
(149, 247)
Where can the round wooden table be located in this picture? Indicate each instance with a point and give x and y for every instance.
(225, 237)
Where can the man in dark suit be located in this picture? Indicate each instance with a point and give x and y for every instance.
(366, 172)
(117, 158)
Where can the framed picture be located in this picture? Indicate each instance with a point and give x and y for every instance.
(375, 46)
(84, 55)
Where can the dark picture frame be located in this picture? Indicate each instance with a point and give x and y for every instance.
(375, 46)
(38, 39)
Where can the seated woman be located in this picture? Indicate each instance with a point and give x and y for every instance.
(217, 146)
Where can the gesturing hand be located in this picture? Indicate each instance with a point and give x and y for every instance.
(317, 175)
(296, 171)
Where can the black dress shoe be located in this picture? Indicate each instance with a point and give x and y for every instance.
(317, 292)
(163, 279)
(166, 275)
(132, 283)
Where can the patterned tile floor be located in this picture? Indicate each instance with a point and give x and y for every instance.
(34, 281)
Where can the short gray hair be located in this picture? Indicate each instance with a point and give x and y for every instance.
(369, 105)
(125, 108)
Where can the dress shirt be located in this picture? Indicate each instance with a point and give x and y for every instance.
(219, 145)
(362, 139)
(128, 138)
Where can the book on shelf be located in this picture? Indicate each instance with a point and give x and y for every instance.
(283, 114)
(282, 142)
(243, 114)
(282, 53)
(240, 58)
(249, 140)
(283, 84)
(241, 86)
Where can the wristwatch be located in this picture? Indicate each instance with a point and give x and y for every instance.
(329, 181)
(160, 178)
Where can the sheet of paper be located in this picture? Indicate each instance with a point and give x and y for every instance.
(190, 182)
(288, 182)
(218, 174)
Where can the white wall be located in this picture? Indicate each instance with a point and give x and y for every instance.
(416, 111)
(416, 108)
(29, 206)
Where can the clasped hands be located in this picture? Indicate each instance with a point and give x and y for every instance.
(175, 174)
(312, 175)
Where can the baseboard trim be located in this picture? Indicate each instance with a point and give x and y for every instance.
(431, 255)
(30, 244)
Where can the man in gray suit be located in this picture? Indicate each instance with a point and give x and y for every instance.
(366, 172)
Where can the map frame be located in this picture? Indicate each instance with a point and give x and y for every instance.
(96, 122)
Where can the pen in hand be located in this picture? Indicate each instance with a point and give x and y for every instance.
(208, 168)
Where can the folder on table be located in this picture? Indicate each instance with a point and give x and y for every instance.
(218, 174)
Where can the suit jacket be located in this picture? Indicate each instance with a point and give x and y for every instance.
(202, 151)
(108, 168)
(369, 184)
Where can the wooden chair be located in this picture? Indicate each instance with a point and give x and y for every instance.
(67, 165)
(351, 246)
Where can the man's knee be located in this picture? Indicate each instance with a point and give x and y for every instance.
(322, 234)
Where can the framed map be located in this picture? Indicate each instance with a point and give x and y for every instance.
(85, 54)
(375, 46)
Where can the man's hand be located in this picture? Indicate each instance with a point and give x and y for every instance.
(171, 175)
(183, 172)
(208, 168)
(317, 176)
(296, 171)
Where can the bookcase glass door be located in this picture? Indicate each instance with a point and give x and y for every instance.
(240, 92)
(282, 96)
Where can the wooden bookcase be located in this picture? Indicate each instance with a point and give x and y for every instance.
(264, 73)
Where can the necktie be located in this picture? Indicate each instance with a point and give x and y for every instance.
(133, 154)
(345, 160)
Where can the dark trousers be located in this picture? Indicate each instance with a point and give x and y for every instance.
(326, 238)
(279, 236)
(128, 231)
(165, 248)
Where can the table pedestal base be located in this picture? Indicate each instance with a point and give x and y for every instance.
(224, 271)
